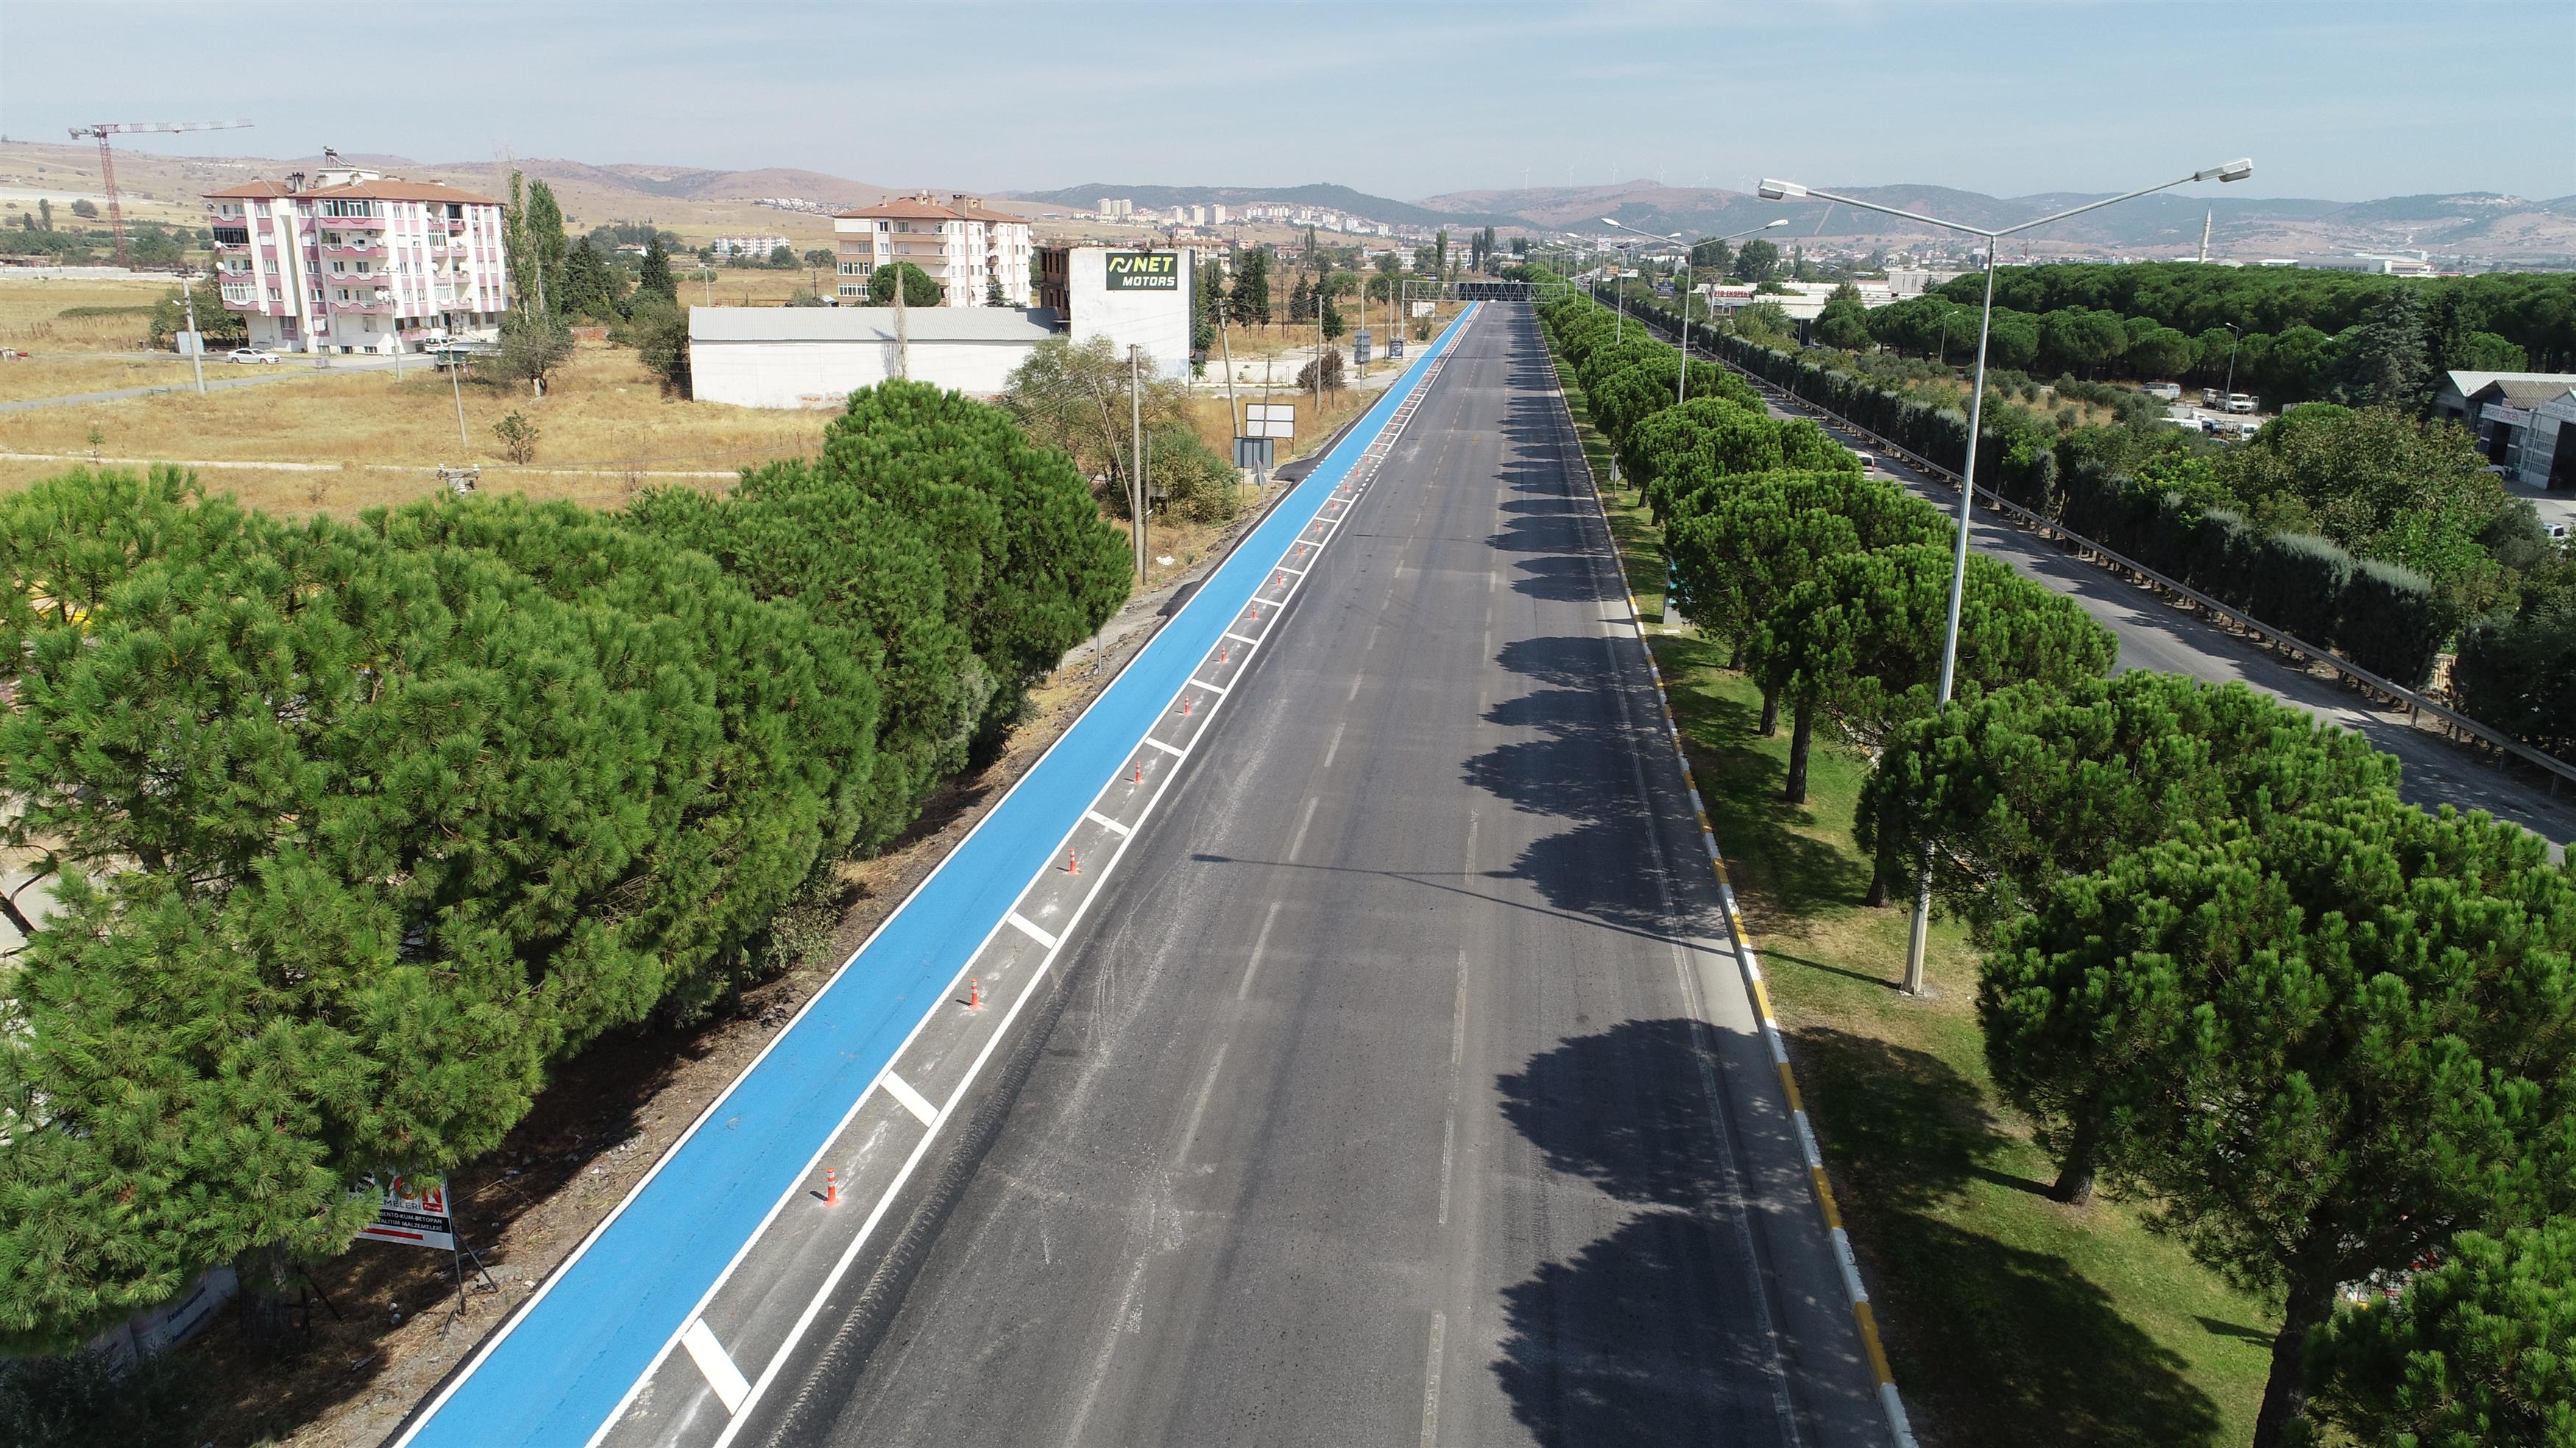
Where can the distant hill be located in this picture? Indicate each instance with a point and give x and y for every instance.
(2481, 224)
(1087, 197)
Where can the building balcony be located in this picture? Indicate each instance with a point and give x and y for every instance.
(371, 308)
(353, 249)
(231, 236)
(347, 223)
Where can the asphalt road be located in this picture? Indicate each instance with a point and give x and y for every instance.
(2156, 635)
(1406, 1092)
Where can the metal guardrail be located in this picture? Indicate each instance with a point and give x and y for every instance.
(2417, 705)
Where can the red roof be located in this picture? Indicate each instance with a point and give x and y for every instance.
(379, 190)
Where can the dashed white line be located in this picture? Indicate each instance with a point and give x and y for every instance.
(1174, 750)
(1199, 683)
(912, 1101)
(1106, 823)
(712, 1360)
(1238, 638)
(1336, 746)
(1260, 943)
(1431, 1380)
(1029, 927)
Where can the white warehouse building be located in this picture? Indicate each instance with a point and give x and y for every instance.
(818, 356)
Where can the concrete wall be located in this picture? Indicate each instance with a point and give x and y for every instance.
(824, 373)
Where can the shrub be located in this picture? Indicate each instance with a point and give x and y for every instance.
(2517, 672)
(2393, 624)
(2220, 557)
(2298, 586)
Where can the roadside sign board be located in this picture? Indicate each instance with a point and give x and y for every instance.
(413, 1213)
(1360, 346)
(1144, 271)
(1395, 346)
(1253, 452)
(1269, 419)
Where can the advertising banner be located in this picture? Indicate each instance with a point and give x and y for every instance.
(1144, 271)
(413, 1213)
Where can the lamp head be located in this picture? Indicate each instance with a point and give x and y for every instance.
(1783, 221)
(1771, 190)
(2236, 170)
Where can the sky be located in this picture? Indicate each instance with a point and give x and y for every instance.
(2348, 101)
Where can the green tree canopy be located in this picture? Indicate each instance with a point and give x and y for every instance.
(918, 289)
(2478, 1349)
(2325, 1046)
(1862, 639)
(2007, 793)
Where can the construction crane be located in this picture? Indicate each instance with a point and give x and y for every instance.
(107, 161)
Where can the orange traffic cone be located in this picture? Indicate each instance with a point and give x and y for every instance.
(1072, 863)
(974, 994)
(831, 1187)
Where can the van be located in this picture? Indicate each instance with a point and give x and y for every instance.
(2211, 397)
(1868, 461)
(2169, 391)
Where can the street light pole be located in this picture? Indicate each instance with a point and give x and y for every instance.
(2232, 344)
(1682, 379)
(1776, 190)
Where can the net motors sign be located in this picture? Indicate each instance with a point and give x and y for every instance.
(1144, 271)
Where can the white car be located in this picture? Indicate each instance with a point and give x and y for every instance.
(1868, 461)
(254, 355)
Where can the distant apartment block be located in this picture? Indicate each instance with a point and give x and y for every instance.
(1115, 208)
(351, 260)
(960, 243)
(758, 248)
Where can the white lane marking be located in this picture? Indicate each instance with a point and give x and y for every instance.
(730, 1385)
(1336, 746)
(1299, 838)
(1300, 572)
(1356, 676)
(1166, 748)
(1431, 1380)
(1198, 1108)
(1448, 1156)
(913, 1101)
(1458, 1017)
(1029, 927)
(1260, 943)
(1105, 822)
(1198, 682)
(1238, 638)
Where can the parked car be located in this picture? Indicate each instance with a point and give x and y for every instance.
(252, 356)
(2239, 402)
(1868, 461)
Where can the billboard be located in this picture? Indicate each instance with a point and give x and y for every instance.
(1269, 419)
(1144, 271)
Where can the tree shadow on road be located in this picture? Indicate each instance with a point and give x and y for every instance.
(1643, 1337)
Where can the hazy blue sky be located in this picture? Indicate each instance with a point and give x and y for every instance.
(2351, 100)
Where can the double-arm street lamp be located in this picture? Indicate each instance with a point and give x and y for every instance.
(1680, 381)
(1772, 190)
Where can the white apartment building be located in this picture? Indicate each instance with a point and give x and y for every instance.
(1116, 208)
(959, 243)
(758, 248)
(350, 260)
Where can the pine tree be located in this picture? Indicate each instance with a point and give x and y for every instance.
(2327, 1044)
(1252, 288)
(655, 275)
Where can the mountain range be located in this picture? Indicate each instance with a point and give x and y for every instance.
(2476, 227)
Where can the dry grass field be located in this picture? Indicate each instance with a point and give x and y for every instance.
(604, 430)
(63, 374)
(32, 320)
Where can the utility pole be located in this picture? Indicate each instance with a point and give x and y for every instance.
(197, 339)
(1135, 442)
(902, 325)
(456, 380)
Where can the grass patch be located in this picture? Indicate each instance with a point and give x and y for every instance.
(2009, 1318)
(78, 314)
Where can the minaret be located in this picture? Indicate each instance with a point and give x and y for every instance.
(2205, 218)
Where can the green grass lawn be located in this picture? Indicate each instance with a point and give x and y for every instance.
(2009, 1318)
